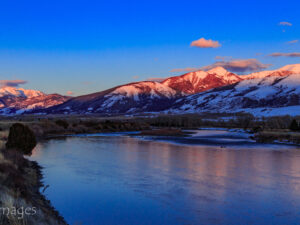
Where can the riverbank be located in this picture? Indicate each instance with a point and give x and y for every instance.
(173, 132)
(263, 130)
(286, 137)
(21, 201)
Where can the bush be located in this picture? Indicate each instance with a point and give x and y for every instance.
(21, 138)
(294, 126)
(62, 123)
(90, 123)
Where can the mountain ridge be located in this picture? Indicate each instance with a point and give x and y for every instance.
(197, 81)
(167, 95)
(272, 94)
(15, 100)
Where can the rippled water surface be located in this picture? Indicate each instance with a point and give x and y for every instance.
(123, 180)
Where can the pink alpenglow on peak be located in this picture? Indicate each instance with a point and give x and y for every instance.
(295, 68)
(198, 81)
(18, 100)
(283, 71)
(218, 70)
(19, 92)
(214, 90)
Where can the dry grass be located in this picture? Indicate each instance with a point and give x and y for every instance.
(281, 136)
(20, 181)
(3, 138)
(13, 212)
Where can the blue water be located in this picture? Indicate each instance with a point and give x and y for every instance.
(125, 181)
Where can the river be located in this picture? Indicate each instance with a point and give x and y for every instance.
(214, 177)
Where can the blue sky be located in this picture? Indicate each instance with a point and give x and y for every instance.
(88, 46)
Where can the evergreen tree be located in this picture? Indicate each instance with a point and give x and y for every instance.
(21, 138)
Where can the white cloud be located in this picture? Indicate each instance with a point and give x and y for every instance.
(188, 69)
(70, 93)
(285, 24)
(203, 43)
(11, 83)
(239, 65)
(156, 79)
(278, 54)
(293, 42)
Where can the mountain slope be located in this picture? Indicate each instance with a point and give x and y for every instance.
(199, 81)
(260, 94)
(19, 100)
(283, 71)
(146, 96)
(216, 90)
(134, 97)
(19, 92)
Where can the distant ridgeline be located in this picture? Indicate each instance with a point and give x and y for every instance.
(265, 93)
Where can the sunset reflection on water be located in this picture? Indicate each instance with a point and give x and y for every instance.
(124, 180)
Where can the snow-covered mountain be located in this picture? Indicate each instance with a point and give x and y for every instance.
(19, 92)
(216, 90)
(265, 93)
(147, 96)
(18, 100)
(199, 81)
(135, 97)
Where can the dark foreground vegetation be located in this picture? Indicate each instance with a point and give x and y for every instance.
(21, 202)
(163, 132)
(265, 129)
(21, 138)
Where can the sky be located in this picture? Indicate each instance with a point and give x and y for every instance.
(81, 47)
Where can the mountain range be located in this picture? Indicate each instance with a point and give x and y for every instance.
(217, 90)
(262, 94)
(18, 100)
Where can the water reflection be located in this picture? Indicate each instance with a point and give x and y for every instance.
(123, 180)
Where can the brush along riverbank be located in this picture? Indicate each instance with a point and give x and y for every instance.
(21, 201)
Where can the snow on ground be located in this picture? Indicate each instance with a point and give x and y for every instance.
(19, 92)
(295, 68)
(134, 90)
(281, 111)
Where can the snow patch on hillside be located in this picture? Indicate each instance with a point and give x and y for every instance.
(19, 92)
(154, 89)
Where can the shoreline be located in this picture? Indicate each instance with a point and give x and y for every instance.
(190, 137)
(22, 201)
(46, 202)
(160, 134)
(264, 130)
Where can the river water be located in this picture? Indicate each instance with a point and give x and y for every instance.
(214, 177)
